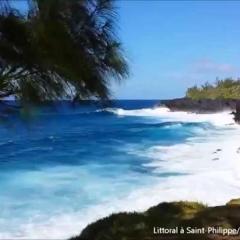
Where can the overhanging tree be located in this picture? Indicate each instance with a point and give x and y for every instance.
(59, 49)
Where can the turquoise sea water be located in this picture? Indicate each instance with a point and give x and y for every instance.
(60, 169)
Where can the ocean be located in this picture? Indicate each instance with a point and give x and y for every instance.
(67, 166)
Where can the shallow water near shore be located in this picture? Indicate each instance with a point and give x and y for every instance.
(71, 165)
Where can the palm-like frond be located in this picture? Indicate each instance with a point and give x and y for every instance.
(62, 49)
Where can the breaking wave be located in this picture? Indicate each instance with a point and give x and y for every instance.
(131, 163)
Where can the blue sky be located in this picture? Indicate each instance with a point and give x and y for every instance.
(172, 45)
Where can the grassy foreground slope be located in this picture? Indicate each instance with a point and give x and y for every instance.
(139, 226)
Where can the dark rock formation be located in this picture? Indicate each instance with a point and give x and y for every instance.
(237, 112)
(140, 226)
(200, 106)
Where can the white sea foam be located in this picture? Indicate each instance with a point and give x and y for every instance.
(208, 164)
(221, 118)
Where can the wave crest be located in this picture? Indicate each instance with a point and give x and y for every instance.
(165, 114)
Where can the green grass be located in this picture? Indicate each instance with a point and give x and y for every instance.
(139, 226)
(222, 89)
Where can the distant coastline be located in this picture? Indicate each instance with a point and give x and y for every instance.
(200, 105)
(223, 95)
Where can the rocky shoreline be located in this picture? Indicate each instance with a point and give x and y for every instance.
(204, 106)
(201, 105)
(196, 220)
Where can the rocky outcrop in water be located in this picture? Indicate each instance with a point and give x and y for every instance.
(237, 113)
(200, 106)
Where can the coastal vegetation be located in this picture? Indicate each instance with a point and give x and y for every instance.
(223, 89)
(196, 220)
(59, 49)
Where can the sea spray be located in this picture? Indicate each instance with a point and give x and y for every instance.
(100, 163)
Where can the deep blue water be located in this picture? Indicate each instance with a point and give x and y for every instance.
(65, 159)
